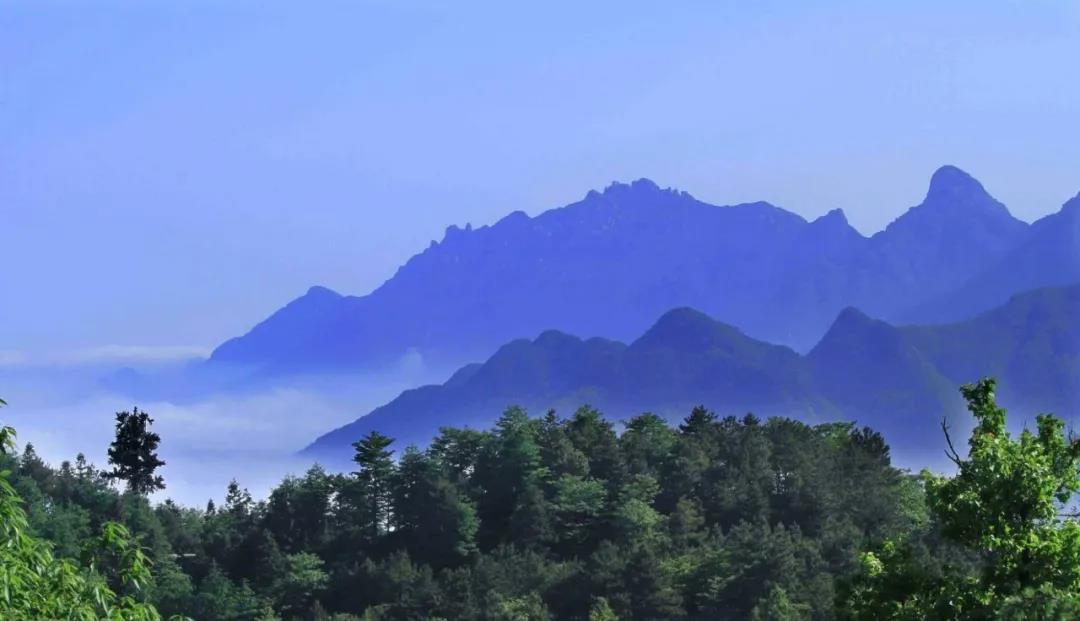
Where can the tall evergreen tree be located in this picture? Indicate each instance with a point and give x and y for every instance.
(557, 452)
(507, 467)
(652, 590)
(375, 473)
(133, 454)
(595, 437)
(432, 519)
(647, 444)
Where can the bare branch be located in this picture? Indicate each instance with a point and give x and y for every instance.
(951, 453)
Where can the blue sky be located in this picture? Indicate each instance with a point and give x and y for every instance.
(172, 172)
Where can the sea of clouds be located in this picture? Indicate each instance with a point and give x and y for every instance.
(58, 403)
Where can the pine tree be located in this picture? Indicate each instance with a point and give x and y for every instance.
(375, 474)
(651, 590)
(431, 516)
(133, 454)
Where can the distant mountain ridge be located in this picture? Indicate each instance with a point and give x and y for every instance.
(899, 380)
(610, 264)
(1048, 256)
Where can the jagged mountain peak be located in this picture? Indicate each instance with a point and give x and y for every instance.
(641, 190)
(831, 225)
(833, 217)
(610, 264)
(642, 185)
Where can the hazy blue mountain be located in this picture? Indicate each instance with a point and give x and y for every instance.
(1031, 343)
(611, 263)
(869, 368)
(900, 380)
(958, 230)
(1049, 256)
(685, 358)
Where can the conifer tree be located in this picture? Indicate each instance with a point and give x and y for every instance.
(133, 454)
(375, 475)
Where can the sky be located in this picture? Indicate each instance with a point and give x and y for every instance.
(171, 173)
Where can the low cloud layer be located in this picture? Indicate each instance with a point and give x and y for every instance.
(103, 354)
(206, 442)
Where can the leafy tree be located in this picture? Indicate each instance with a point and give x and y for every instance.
(459, 451)
(652, 589)
(647, 444)
(524, 608)
(694, 453)
(595, 437)
(257, 559)
(686, 524)
(601, 611)
(302, 582)
(778, 607)
(238, 502)
(532, 525)
(738, 573)
(298, 512)
(737, 486)
(557, 452)
(133, 454)
(578, 505)
(551, 518)
(1006, 506)
(433, 521)
(173, 589)
(509, 466)
(35, 585)
(220, 599)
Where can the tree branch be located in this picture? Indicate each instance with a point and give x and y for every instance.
(951, 452)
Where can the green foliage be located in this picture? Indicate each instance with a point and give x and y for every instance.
(551, 518)
(374, 474)
(301, 584)
(220, 599)
(601, 611)
(1005, 508)
(433, 519)
(578, 504)
(778, 607)
(133, 454)
(36, 585)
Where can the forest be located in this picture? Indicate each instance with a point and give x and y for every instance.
(575, 518)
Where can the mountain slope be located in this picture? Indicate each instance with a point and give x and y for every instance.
(957, 230)
(1048, 257)
(868, 368)
(684, 358)
(899, 380)
(611, 263)
(1031, 343)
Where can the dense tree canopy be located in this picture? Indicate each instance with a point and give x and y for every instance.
(36, 585)
(573, 518)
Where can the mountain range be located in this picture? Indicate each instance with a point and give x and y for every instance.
(900, 380)
(611, 263)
